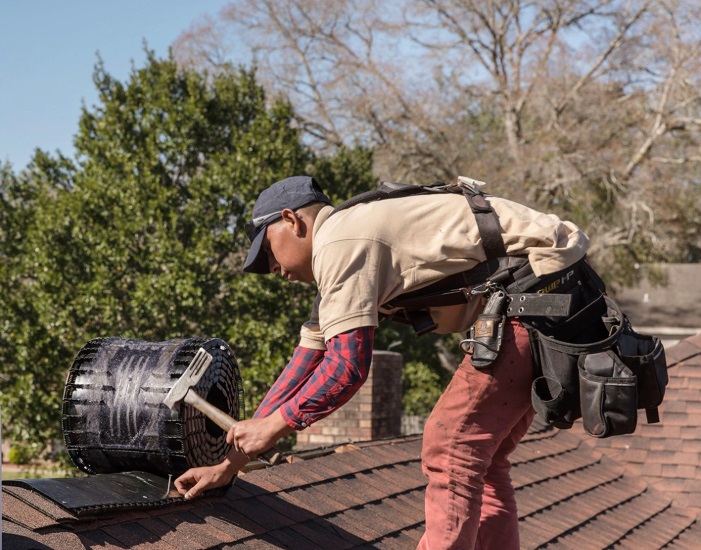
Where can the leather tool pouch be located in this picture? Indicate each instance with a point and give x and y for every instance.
(486, 335)
(608, 395)
(487, 332)
(555, 390)
(615, 383)
(603, 380)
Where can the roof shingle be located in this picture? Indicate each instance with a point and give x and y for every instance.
(573, 491)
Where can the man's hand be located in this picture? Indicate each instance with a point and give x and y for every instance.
(196, 480)
(252, 437)
(249, 438)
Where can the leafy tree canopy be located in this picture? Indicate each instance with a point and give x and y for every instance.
(141, 235)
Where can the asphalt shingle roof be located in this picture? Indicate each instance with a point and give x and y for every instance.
(639, 491)
(668, 455)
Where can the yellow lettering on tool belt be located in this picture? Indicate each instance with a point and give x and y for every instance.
(556, 284)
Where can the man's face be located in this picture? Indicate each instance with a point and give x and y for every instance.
(288, 244)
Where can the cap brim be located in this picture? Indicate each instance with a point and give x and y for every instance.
(257, 259)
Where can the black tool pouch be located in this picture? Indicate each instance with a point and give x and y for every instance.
(604, 381)
(615, 383)
(555, 391)
(645, 356)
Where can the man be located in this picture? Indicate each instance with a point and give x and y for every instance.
(362, 258)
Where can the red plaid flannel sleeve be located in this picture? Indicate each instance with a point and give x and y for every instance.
(315, 383)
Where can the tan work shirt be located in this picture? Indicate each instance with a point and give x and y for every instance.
(369, 254)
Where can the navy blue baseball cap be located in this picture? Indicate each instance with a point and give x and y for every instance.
(292, 193)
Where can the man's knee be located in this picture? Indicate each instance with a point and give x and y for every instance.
(435, 445)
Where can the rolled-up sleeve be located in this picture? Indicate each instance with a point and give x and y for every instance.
(341, 372)
(292, 378)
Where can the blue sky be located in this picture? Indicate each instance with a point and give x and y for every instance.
(48, 49)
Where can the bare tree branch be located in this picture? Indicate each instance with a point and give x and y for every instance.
(589, 74)
(581, 106)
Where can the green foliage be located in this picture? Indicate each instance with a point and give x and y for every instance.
(20, 454)
(423, 377)
(421, 388)
(401, 338)
(142, 234)
(347, 173)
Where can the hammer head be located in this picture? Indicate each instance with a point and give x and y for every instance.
(189, 379)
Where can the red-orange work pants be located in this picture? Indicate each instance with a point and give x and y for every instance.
(476, 424)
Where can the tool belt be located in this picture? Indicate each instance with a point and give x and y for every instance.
(529, 296)
(588, 361)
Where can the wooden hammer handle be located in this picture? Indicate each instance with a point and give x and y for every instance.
(225, 422)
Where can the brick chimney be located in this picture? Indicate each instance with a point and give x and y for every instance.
(374, 412)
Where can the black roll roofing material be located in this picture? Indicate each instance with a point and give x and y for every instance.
(114, 419)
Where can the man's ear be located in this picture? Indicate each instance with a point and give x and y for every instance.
(288, 215)
(295, 221)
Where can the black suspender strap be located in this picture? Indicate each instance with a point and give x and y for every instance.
(452, 290)
(487, 223)
(389, 190)
(485, 216)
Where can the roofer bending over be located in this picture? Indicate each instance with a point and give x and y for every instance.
(370, 259)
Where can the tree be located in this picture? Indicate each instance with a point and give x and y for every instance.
(28, 387)
(141, 235)
(580, 107)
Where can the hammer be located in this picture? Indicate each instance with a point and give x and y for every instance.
(181, 392)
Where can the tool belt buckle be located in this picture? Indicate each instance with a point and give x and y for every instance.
(487, 287)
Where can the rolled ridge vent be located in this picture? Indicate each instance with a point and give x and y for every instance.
(114, 419)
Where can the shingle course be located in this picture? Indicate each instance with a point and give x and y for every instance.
(226, 519)
(573, 491)
(671, 462)
(687, 349)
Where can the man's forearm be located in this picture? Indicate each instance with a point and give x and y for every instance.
(291, 379)
(234, 461)
(343, 370)
(278, 426)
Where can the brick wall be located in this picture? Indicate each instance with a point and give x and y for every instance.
(374, 412)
